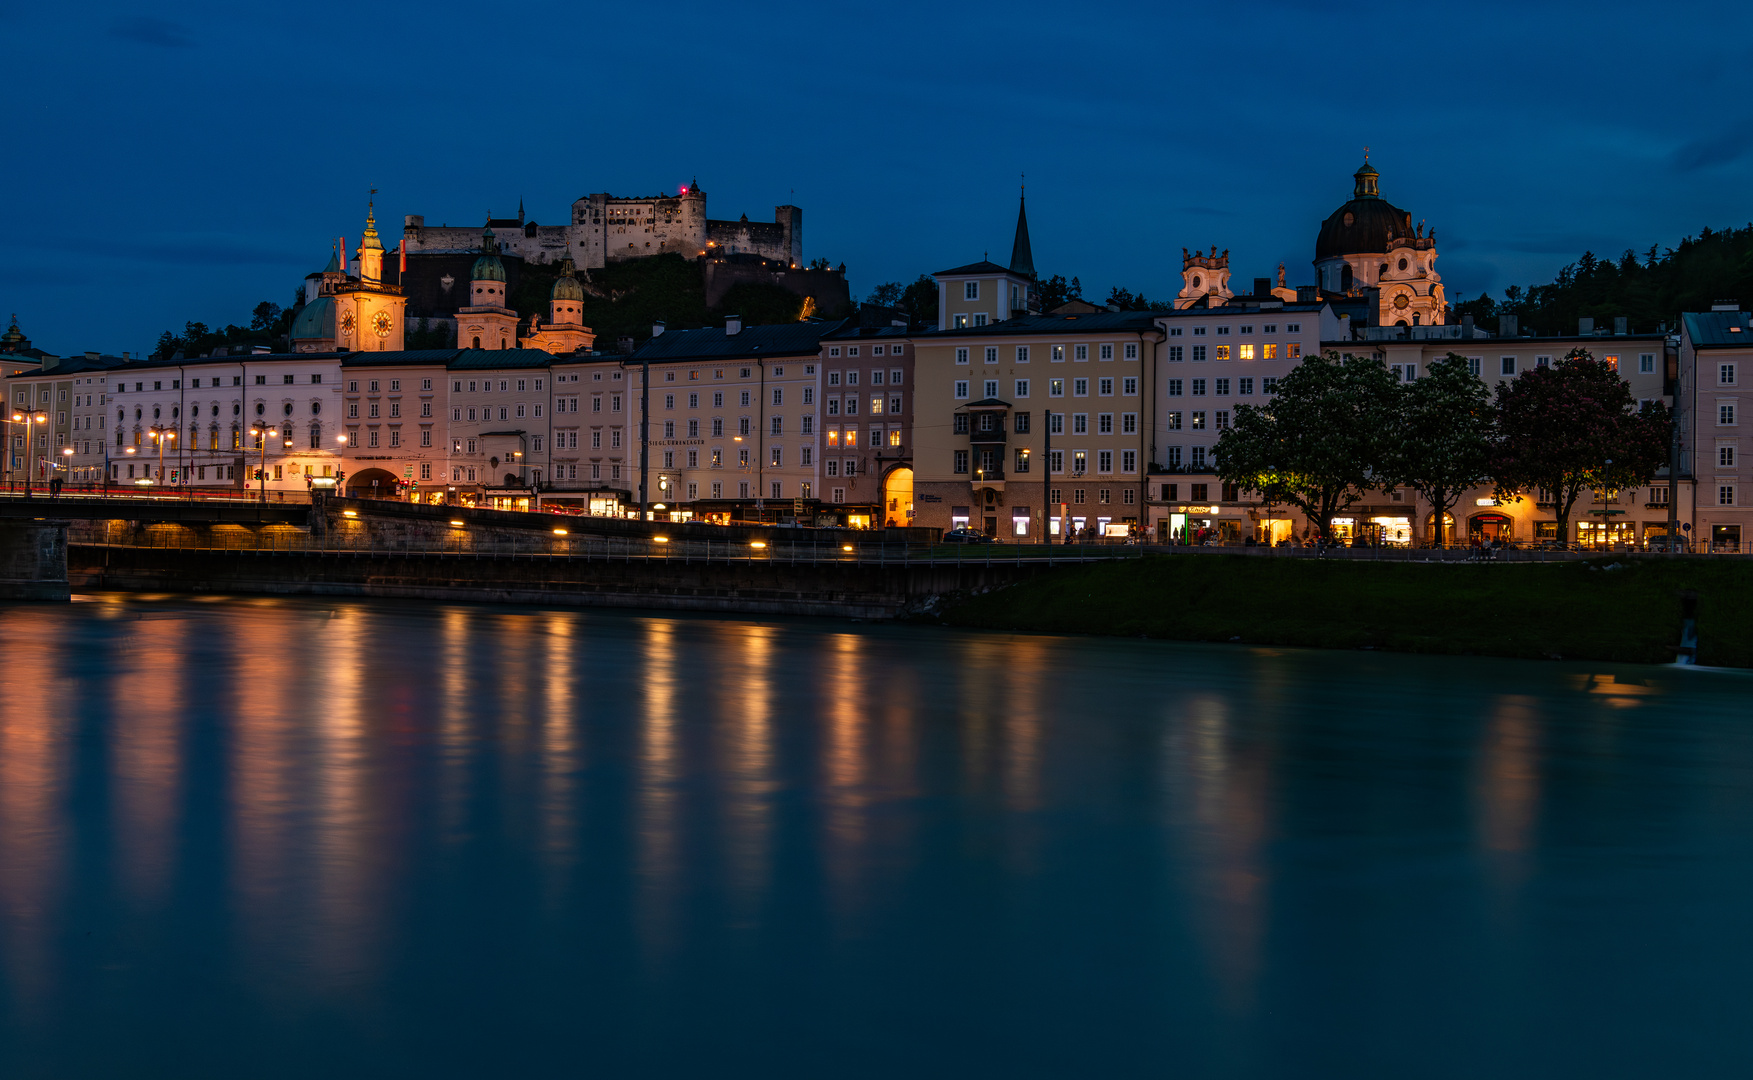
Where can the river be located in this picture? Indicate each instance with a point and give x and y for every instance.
(296, 838)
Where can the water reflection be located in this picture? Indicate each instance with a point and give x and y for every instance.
(657, 802)
(510, 842)
(34, 749)
(1219, 793)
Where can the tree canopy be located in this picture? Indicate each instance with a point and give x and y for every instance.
(1317, 442)
(1572, 427)
(1440, 441)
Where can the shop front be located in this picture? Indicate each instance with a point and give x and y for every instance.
(1489, 527)
(1606, 534)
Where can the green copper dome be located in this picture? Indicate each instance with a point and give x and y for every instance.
(567, 287)
(488, 267)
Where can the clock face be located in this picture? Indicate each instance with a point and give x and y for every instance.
(347, 323)
(1401, 302)
(381, 322)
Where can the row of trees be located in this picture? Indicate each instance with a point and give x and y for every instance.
(1340, 426)
(269, 323)
(1651, 288)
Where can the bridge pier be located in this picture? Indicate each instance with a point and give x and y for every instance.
(33, 560)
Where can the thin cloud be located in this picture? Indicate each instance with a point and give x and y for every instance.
(147, 30)
(1720, 148)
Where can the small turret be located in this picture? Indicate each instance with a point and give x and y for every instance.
(488, 267)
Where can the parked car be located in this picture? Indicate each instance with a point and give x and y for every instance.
(966, 536)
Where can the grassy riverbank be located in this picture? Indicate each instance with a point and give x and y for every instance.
(1600, 610)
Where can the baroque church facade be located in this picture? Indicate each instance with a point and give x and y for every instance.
(1368, 250)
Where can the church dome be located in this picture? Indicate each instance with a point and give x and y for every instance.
(488, 267)
(567, 287)
(1364, 225)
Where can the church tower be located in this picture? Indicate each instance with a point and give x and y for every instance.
(1204, 278)
(1369, 247)
(486, 323)
(350, 313)
(565, 331)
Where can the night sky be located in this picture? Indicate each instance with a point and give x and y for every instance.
(186, 162)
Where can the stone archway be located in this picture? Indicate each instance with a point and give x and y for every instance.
(372, 484)
(898, 496)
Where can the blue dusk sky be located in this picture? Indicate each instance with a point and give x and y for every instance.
(185, 161)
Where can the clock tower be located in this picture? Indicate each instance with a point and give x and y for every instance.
(358, 313)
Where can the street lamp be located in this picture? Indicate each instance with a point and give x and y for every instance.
(262, 433)
(67, 452)
(161, 436)
(29, 420)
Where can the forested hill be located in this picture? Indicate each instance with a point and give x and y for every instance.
(1649, 289)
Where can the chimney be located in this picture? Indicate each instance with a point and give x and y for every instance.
(89, 355)
(1262, 286)
(624, 344)
(1506, 326)
(1585, 327)
(733, 325)
(657, 329)
(1620, 325)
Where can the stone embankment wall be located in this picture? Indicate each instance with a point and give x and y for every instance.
(756, 586)
(33, 560)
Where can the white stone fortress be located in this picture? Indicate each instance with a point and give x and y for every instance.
(610, 228)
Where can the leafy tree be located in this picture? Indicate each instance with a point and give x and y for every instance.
(265, 315)
(168, 344)
(1126, 301)
(888, 294)
(1317, 444)
(419, 334)
(1572, 427)
(1440, 441)
(919, 300)
(1056, 291)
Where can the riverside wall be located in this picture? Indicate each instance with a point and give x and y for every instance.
(753, 586)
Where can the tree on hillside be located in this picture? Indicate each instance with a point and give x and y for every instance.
(1124, 300)
(265, 315)
(1572, 427)
(888, 294)
(1317, 444)
(1440, 441)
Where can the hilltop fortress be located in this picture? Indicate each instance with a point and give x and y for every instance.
(609, 228)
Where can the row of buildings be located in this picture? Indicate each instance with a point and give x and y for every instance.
(1020, 423)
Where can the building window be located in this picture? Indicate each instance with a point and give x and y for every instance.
(1131, 351)
(834, 377)
(1080, 423)
(1174, 387)
(1080, 388)
(1223, 351)
(961, 461)
(1293, 351)
(1198, 387)
(1243, 352)
(1725, 414)
(1128, 461)
(1725, 456)
(1174, 354)
(970, 290)
(1268, 384)
(1725, 495)
(1172, 421)
(1055, 387)
(1199, 421)
(1725, 374)
(1198, 350)
(961, 390)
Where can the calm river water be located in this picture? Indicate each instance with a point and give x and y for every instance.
(270, 838)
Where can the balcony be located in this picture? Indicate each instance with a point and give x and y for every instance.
(993, 434)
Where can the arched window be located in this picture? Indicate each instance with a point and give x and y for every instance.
(477, 342)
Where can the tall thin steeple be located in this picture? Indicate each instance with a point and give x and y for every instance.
(1022, 259)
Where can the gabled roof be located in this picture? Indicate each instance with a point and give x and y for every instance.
(984, 266)
(1718, 329)
(780, 339)
(987, 403)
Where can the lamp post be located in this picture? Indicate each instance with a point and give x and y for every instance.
(29, 420)
(67, 467)
(262, 433)
(161, 436)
